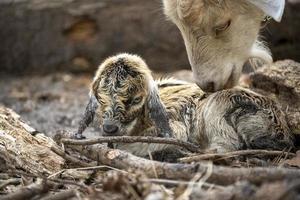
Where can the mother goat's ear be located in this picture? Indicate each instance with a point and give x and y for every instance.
(88, 116)
(158, 113)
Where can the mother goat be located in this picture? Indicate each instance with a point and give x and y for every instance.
(221, 35)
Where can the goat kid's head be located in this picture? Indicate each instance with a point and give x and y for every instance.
(220, 36)
(127, 93)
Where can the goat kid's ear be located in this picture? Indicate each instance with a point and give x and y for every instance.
(158, 114)
(87, 117)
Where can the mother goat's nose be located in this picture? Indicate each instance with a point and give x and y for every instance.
(208, 86)
(110, 128)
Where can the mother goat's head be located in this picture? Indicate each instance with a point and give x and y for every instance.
(221, 35)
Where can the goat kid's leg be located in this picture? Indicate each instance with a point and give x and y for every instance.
(87, 117)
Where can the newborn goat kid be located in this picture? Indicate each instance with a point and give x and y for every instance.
(129, 102)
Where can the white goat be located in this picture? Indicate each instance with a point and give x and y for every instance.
(221, 35)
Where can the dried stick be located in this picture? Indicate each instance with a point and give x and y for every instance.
(29, 191)
(131, 139)
(67, 194)
(220, 156)
(174, 182)
(4, 176)
(220, 175)
(70, 158)
(13, 181)
(49, 180)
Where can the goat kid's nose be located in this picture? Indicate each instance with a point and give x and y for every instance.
(110, 128)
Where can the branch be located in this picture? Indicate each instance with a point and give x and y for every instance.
(70, 158)
(29, 191)
(132, 139)
(220, 156)
(12, 181)
(220, 175)
(67, 194)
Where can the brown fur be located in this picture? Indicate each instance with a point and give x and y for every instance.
(227, 120)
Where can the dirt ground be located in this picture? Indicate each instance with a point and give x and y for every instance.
(48, 103)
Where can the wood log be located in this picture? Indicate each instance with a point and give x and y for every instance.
(76, 35)
(281, 81)
(29, 191)
(19, 148)
(220, 175)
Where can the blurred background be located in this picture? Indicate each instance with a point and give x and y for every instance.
(49, 50)
(42, 36)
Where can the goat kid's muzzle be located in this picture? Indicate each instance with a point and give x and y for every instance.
(111, 128)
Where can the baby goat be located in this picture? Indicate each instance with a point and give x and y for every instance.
(221, 35)
(129, 102)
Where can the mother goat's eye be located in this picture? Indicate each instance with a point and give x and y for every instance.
(221, 28)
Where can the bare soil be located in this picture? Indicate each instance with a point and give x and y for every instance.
(48, 103)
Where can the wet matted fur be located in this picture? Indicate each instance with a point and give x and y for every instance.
(124, 94)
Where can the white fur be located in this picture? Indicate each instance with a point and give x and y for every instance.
(218, 59)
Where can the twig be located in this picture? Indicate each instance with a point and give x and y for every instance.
(221, 175)
(13, 181)
(70, 158)
(68, 182)
(29, 191)
(132, 139)
(174, 182)
(153, 167)
(86, 168)
(67, 194)
(49, 180)
(220, 156)
(4, 176)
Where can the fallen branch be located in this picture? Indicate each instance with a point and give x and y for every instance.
(176, 183)
(70, 158)
(221, 156)
(12, 181)
(29, 191)
(220, 175)
(49, 180)
(131, 139)
(20, 149)
(67, 194)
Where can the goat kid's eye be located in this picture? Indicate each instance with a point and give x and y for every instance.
(221, 28)
(137, 100)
